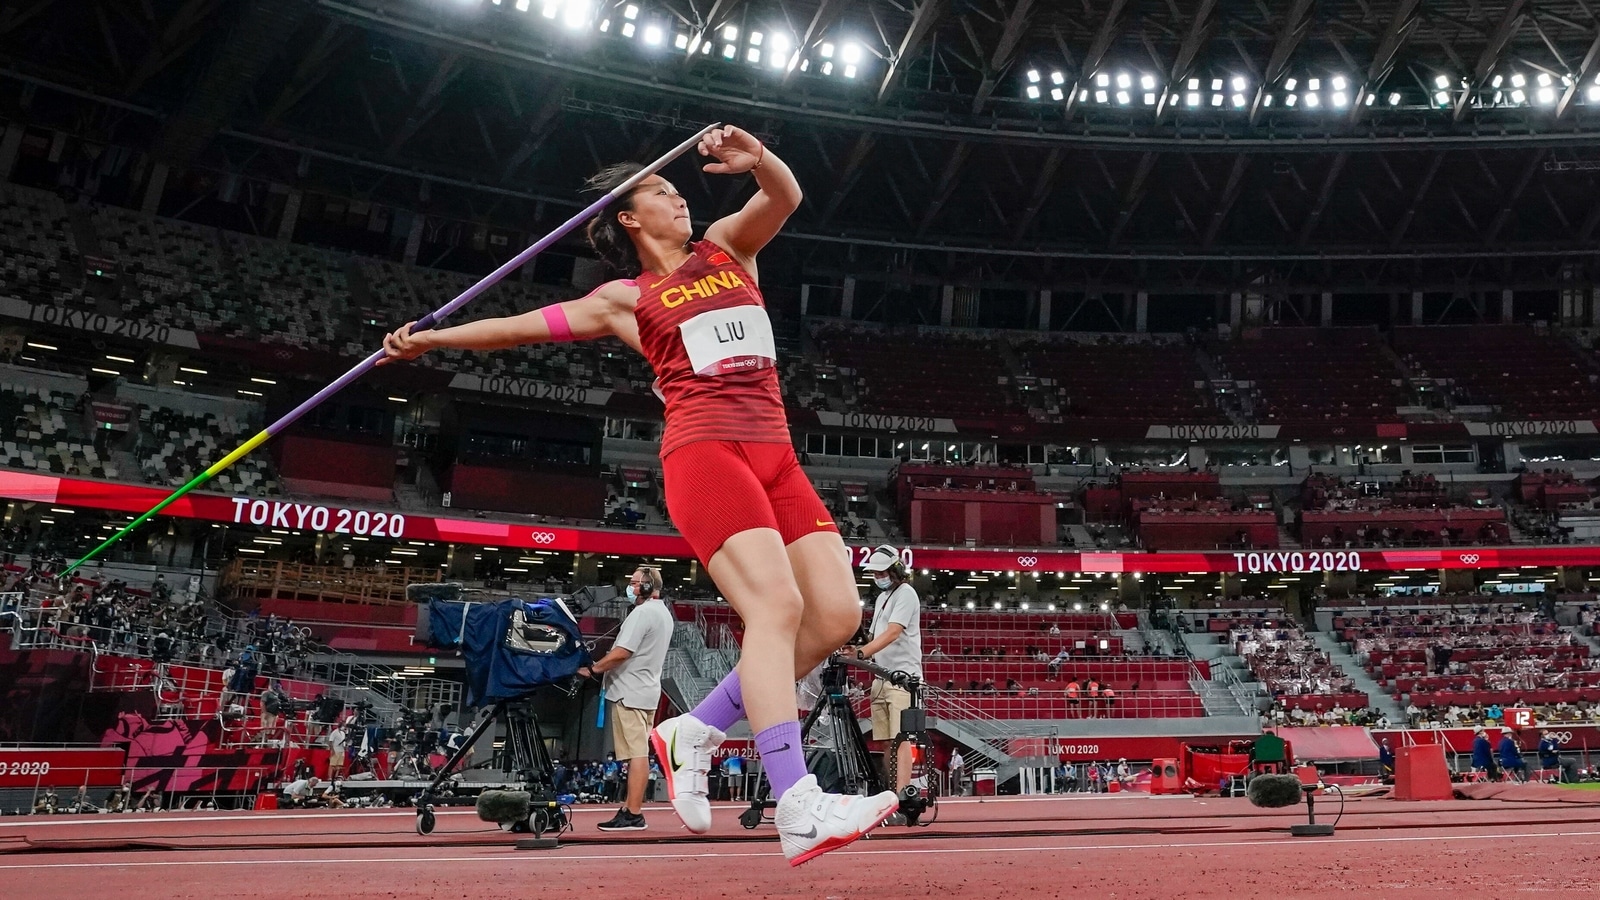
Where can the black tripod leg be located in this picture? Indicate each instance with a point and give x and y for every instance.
(460, 753)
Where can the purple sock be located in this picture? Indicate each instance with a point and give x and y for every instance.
(782, 756)
(724, 706)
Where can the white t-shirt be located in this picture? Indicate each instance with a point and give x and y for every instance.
(336, 740)
(300, 788)
(646, 632)
(899, 606)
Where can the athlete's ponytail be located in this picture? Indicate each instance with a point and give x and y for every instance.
(606, 235)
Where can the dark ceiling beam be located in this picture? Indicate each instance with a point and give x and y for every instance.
(945, 186)
(1201, 26)
(828, 12)
(107, 35)
(538, 131)
(1005, 52)
(848, 174)
(13, 17)
(1407, 16)
(1583, 77)
(923, 19)
(1417, 197)
(1040, 194)
(1134, 195)
(1296, 25)
(1324, 194)
(1110, 27)
(312, 68)
(427, 103)
(1516, 11)
(1230, 194)
(1503, 215)
(186, 27)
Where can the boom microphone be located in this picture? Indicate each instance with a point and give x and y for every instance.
(504, 807)
(1274, 791)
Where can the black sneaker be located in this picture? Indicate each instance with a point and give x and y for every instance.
(624, 821)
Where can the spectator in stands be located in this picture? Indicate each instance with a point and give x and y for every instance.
(1511, 756)
(1494, 714)
(632, 670)
(896, 645)
(1072, 697)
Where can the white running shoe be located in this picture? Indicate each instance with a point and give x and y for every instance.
(811, 822)
(683, 745)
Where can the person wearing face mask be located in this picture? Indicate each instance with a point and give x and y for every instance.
(632, 671)
(896, 644)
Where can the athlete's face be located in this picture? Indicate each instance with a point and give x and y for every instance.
(658, 211)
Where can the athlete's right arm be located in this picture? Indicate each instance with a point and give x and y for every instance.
(600, 314)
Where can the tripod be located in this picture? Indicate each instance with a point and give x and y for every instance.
(857, 774)
(523, 759)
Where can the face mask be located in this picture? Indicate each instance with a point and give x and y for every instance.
(882, 581)
(632, 594)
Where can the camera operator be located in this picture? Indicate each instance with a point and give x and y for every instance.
(632, 672)
(896, 644)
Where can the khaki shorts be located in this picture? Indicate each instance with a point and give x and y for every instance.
(630, 730)
(888, 702)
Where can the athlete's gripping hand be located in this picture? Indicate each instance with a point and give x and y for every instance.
(735, 149)
(401, 344)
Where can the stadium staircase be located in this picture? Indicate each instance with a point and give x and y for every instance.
(1377, 697)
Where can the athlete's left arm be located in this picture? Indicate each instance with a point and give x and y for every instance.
(745, 232)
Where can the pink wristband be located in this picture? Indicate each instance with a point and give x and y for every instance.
(556, 318)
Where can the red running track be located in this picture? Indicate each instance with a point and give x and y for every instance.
(1114, 847)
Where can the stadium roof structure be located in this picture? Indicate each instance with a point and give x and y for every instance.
(1178, 145)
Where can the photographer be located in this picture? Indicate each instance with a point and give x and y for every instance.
(632, 671)
(896, 644)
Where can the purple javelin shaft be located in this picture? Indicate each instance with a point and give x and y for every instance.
(493, 278)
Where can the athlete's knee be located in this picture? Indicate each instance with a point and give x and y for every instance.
(777, 610)
(839, 622)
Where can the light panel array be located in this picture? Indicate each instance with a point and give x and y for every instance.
(773, 49)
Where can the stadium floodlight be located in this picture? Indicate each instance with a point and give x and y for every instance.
(729, 51)
(827, 68)
(849, 71)
(1442, 98)
(1519, 97)
(1291, 100)
(1266, 100)
(1239, 82)
(1371, 98)
(1033, 75)
(522, 5)
(550, 9)
(1546, 96)
(1122, 98)
(1192, 98)
(1442, 82)
(778, 50)
(1102, 80)
(1290, 84)
(730, 32)
(1497, 81)
(575, 14)
(1099, 96)
(1518, 80)
(755, 38)
(1147, 82)
(1124, 80)
(1238, 101)
(1339, 83)
(630, 12)
(1057, 95)
(1314, 84)
(1594, 93)
(1150, 98)
(1313, 101)
(1033, 92)
(1394, 98)
(652, 35)
(1056, 77)
(681, 41)
(1216, 84)
(851, 53)
(605, 25)
(1194, 84)
(1083, 96)
(1340, 99)
(1544, 79)
(826, 50)
(628, 29)
(753, 55)
(1216, 99)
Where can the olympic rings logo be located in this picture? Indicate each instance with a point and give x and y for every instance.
(544, 537)
(1469, 558)
(1562, 737)
(1027, 560)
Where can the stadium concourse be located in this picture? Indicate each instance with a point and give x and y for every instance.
(1225, 375)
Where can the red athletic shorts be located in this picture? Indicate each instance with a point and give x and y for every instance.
(716, 489)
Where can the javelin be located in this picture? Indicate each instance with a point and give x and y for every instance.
(423, 324)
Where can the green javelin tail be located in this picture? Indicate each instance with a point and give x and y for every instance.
(194, 482)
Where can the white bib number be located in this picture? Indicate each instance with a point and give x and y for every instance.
(737, 339)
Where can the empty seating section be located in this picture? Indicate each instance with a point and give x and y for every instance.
(942, 374)
(1435, 656)
(176, 269)
(172, 447)
(1112, 380)
(1299, 674)
(290, 293)
(43, 433)
(1414, 511)
(1315, 375)
(36, 241)
(1522, 372)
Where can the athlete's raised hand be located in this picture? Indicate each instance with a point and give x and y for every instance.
(735, 149)
(401, 344)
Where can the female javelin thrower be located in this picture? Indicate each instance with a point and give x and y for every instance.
(733, 486)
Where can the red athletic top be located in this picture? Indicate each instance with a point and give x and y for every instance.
(705, 331)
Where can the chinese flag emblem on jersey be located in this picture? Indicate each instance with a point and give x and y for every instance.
(719, 258)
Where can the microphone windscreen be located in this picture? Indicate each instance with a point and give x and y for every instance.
(504, 806)
(1273, 791)
(422, 593)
